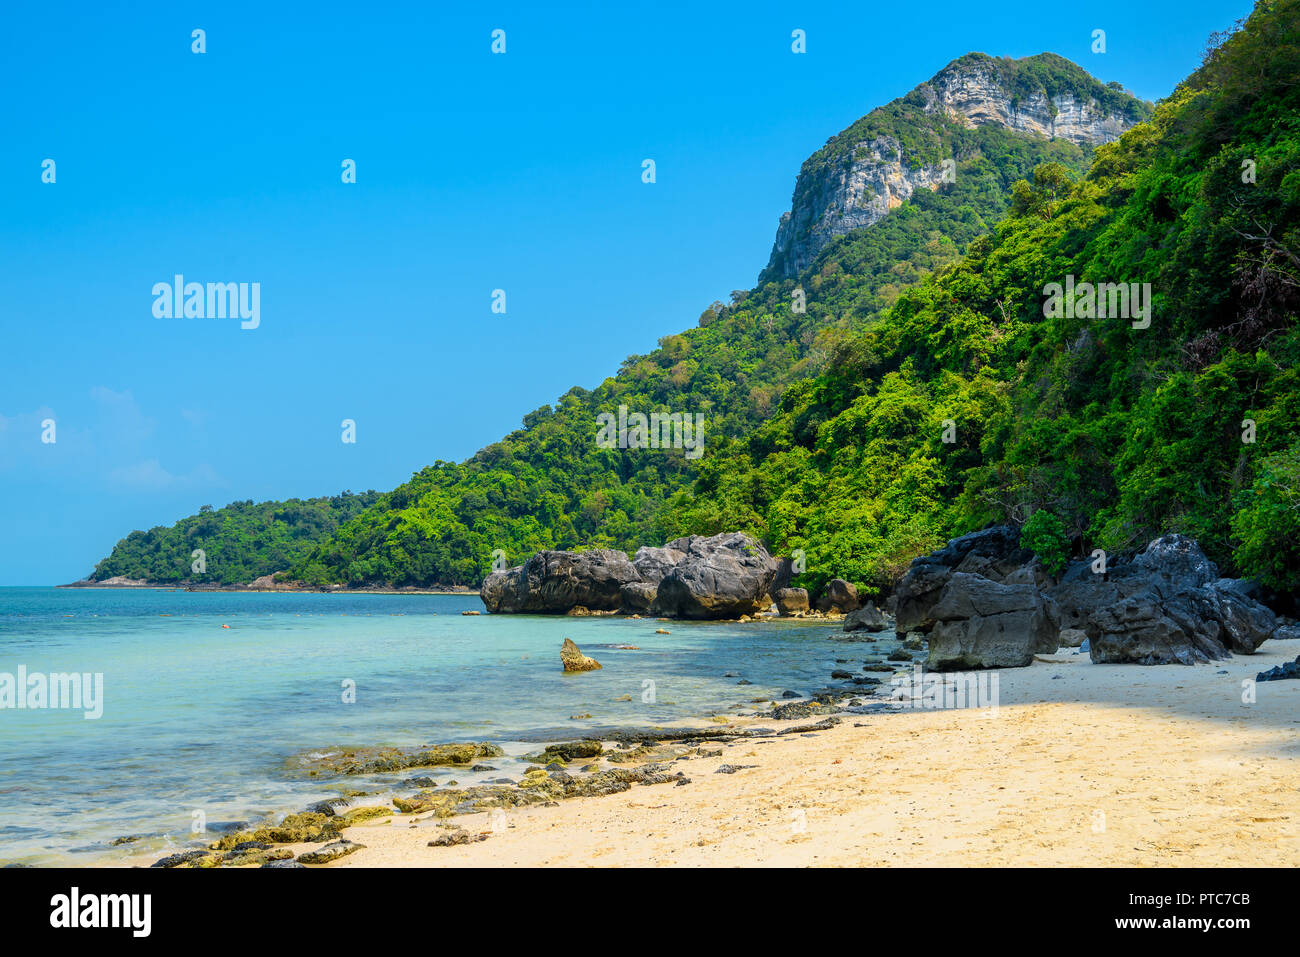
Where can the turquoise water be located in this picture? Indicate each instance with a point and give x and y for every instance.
(197, 717)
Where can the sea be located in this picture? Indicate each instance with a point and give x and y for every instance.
(208, 699)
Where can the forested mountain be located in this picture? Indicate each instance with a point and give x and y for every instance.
(825, 428)
(1107, 432)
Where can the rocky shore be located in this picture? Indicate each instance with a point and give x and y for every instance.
(725, 576)
(1079, 763)
(984, 602)
(267, 584)
(981, 601)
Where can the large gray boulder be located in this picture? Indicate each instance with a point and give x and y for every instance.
(719, 576)
(839, 598)
(1136, 630)
(790, 601)
(993, 553)
(638, 597)
(785, 575)
(980, 623)
(654, 563)
(866, 618)
(553, 582)
(1081, 591)
(1165, 605)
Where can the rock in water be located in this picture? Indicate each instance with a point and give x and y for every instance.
(575, 660)
(719, 576)
(553, 582)
(866, 618)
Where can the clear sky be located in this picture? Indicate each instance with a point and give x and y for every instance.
(475, 172)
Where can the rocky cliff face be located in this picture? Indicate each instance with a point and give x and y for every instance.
(876, 181)
(974, 92)
(878, 163)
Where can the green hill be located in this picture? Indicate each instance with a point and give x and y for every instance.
(1115, 433)
(828, 407)
(240, 542)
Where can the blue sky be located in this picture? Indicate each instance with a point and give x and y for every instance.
(475, 172)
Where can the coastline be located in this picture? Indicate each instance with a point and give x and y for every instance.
(1081, 764)
(240, 589)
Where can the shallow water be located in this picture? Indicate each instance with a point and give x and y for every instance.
(201, 718)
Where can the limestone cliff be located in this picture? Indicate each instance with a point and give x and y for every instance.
(877, 163)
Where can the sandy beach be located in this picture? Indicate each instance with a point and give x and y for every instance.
(1081, 764)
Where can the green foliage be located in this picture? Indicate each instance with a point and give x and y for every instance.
(1044, 535)
(240, 542)
(1121, 434)
(1267, 525)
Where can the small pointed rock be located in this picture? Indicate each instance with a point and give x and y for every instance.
(575, 660)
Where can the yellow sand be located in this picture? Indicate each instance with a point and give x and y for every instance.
(1104, 765)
